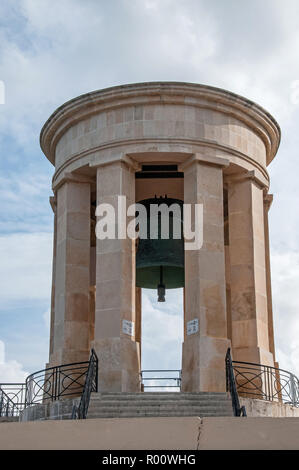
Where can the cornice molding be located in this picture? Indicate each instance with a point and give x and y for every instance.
(202, 96)
(247, 176)
(205, 159)
(159, 141)
(268, 199)
(71, 178)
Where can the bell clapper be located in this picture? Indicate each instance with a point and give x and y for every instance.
(161, 287)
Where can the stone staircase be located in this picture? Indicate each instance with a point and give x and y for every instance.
(156, 404)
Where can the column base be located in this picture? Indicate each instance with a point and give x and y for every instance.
(255, 381)
(254, 354)
(68, 356)
(203, 364)
(119, 365)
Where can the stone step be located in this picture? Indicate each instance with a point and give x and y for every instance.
(158, 397)
(154, 400)
(155, 412)
(190, 412)
(155, 404)
(165, 407)
(136, 414)
(123, 404)
(210, 404)
(145, 394)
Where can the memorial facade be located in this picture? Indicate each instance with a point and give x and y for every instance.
(186, 142)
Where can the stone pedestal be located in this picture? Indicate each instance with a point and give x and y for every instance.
(204, 351)
(118, 352)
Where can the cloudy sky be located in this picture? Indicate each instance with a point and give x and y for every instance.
(54, 50)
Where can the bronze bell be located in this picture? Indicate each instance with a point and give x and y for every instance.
(160, 262)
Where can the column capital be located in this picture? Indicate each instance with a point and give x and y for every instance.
(251, 175)
(70, 177)
(268, 199)
(205, 159)
(53, 202)
(119, 158)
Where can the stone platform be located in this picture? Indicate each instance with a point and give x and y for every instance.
(153, 433)
(154, 404)
(134, 405)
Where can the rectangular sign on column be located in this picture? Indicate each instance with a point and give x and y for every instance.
(128, 327)
(192, 327)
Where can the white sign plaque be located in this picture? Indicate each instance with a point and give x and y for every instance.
(128, 327)
(192, 326)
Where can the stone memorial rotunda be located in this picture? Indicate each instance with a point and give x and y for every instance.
(163, 142)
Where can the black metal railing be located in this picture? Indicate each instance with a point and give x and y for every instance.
(91, 385)
(161, 379)
(8, 407)
(53, 383)
(78, 379)
(266, 383)
(16, 392)
(231, 386)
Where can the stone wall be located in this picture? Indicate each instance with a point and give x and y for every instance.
(260, 408)
(60, 409)
(153, 433)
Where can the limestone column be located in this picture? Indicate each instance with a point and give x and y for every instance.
(52, 310)
(92, 304)
(115, 317)
(138, 307)
(268, 198)
(248, 277)
(204, 349)
(71, 304)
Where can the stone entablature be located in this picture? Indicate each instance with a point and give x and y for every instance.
(159, 117)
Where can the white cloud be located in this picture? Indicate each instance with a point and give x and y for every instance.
(24, 202)
(47, 318)
(285, 275)
(25, 269)
(79, 46)
(51, 51)
(162, 330)
(10, 371)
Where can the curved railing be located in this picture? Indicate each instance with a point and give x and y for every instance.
(266, 383)
(54, 383)
(8, 407)
(91, 385)
(16, 393)
(78, 379)
(231, 386)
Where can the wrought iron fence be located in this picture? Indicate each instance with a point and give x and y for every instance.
(231, 386)
(9, 408)
(54, 383)
(266, 383)
(16, 392)
(90, 385)
(80, 379)
(161, 379)
(66, 381)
